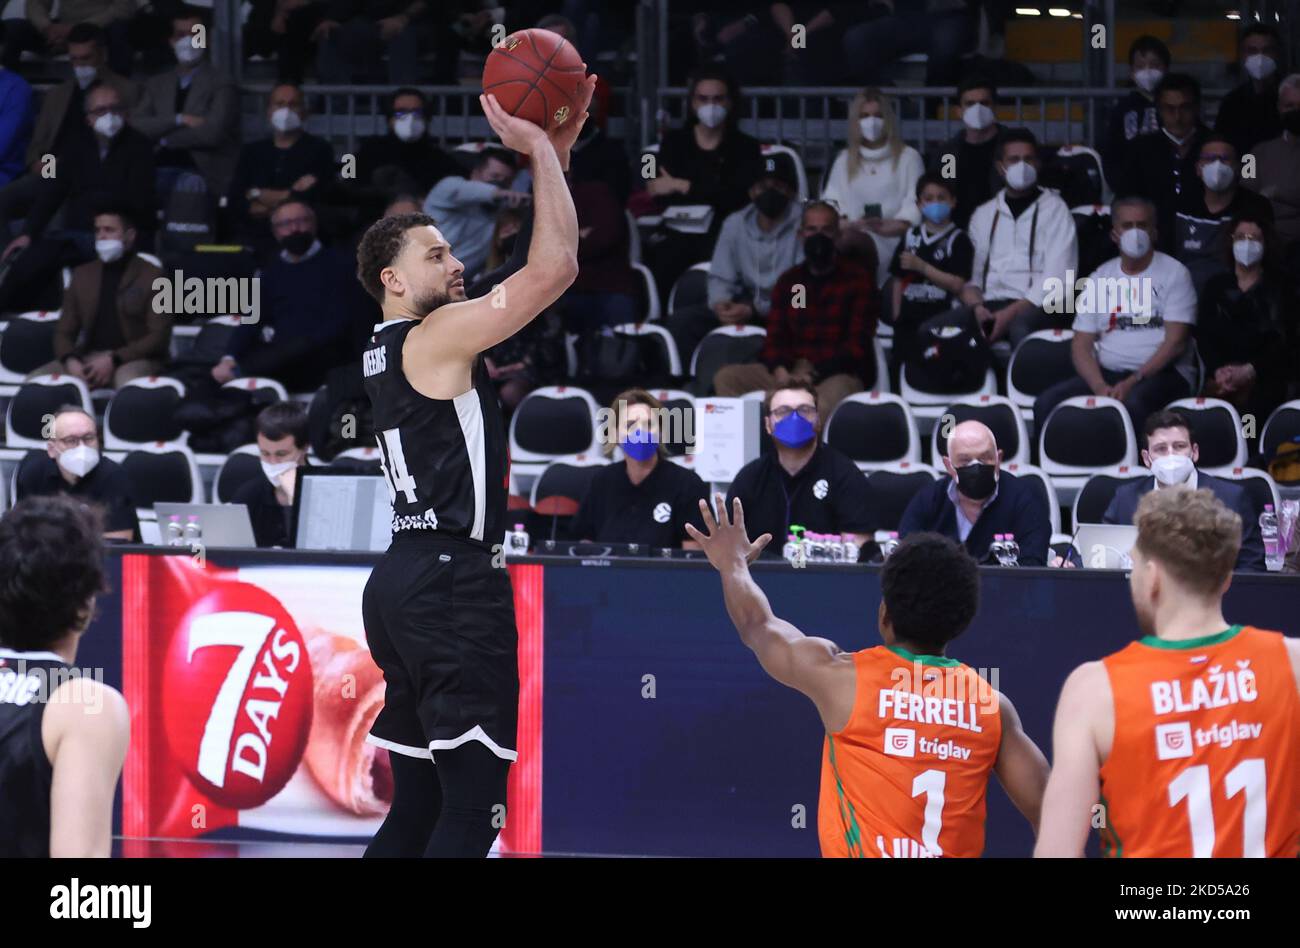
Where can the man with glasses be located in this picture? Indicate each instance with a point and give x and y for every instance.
(72, 465)
(803, 481)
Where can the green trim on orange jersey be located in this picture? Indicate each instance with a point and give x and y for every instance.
(852, 833)
(941, 660)
(1203, 642)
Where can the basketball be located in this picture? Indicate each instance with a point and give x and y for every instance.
(535, 75)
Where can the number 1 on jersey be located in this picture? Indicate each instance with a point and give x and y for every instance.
(931, 783)
(395, 472)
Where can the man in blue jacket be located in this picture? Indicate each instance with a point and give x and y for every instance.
(978, 500)
(1172, 453)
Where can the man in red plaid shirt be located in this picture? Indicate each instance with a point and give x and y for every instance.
(821, 324)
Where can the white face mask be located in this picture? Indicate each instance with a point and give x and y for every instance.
(1022, 175)
(273, 471)
(1259, 66)
(1172, 468)
(872, 127)
(711, 115)
(1148, 79)
(109, 124)
(186, 51)
(408, 128)
(79, 461)
(109, 250)
(1247, 251)
(977, 117)
(1217, 176)
(286, 120)
(1134, 243)
(85, 75)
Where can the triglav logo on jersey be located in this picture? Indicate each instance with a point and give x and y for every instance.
(821, 489)
(1173, 740)
(662, 513)
(900, 742)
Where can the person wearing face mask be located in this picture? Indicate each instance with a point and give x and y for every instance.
(1250, 349)
(820, 325)
(1135, 114)
(403, 159)
(644, 498)
(282, 447)
(72, 464)
(1276, 161)
(803, 481)
(466, 207)
(978, 500)
(191, 110)
(1171, 453)
(108, 332)
(1248, 114)
(972, 152)
(873, 181)
(1133, 321)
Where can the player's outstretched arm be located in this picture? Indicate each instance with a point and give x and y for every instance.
(808, 665)
(85, 729)
(1021, 767)
(1074, 787)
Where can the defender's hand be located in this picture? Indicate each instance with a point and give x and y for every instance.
(515, 133)
(726, 543)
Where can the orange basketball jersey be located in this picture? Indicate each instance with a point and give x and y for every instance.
(1206, 755)
(907, 776)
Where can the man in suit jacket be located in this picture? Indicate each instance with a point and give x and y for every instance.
(192, 111)
(1171, 453)
(978, 500)
(108, 332)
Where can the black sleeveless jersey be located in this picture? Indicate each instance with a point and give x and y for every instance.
(446, 460)
(26, 680)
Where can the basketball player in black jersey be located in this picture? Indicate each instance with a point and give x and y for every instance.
(63, 736)
(438, 607)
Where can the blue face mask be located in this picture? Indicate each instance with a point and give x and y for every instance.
(936, 212)
(794, 430)
(640, 444)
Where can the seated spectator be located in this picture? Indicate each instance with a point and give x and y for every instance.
(282, 30)
(291, 162)
(710, 163)
(731, 33)
(1275, 178)
(804, 481)
(979, 500)
(1023, 238)
(104, 159)
(645, 498)
(1162, 165)
(942, 29)
(1204, 215)
(108, 331)
(605, 292)
(466, 208)
(820, 326)
(819, 59)
(1135, 114)
(1249, 114)
(72, 465)
(1249, 344)
(1171, 454)
(308, 298)
(405, 159)
(282, 446)
(41, 33)
(873, 182)
(1131, 332)
(756, 245)
(355, 35)
(191, 111)
(17, 114)
(971, 154)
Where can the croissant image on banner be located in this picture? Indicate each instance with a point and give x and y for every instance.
(349, 696)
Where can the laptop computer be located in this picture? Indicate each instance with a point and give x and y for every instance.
(225, 525)
(338, 509)
(1105, 545)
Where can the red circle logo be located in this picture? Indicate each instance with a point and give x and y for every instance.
(237, 689)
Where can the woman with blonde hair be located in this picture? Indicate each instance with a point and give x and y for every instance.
(873, 182)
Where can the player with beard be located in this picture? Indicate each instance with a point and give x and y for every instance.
(438, 612)
(1188, 738)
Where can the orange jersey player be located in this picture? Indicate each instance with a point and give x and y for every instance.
(1187, 741)
(911, 736)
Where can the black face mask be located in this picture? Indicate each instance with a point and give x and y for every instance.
(771, 202)
(1291, 121)
(297, 243)
(977, 481)
(819, 250)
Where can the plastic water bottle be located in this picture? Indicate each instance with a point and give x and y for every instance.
(1272, 539)
(1012, 550)
(837, 547)
(998, 549)
(889, 546)
(175, 532)
(791, 548)
(193, 530)
(517, 541)
(851, 551)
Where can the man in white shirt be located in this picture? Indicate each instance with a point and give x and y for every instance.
(1133, 322)
(1024, 241)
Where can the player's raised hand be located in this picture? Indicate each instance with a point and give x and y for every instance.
(516, 134)
(563, 136)
(726, 544)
